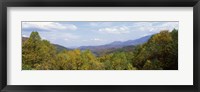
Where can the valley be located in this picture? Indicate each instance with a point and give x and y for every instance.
(152, 52)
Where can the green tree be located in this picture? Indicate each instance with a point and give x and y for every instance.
(161, 48)
(37, 53)
(159, 52)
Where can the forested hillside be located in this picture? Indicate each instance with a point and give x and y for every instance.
(160, 52)
(59, 48)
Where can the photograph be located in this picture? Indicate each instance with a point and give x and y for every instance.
(99, 45)
(107, 45)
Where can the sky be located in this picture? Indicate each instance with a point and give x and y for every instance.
(91, 33)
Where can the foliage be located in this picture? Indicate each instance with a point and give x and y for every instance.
(159, 52)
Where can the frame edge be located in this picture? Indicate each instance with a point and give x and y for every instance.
(3, 48)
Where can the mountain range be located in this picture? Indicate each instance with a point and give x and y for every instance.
(117, 44)
(107, 48)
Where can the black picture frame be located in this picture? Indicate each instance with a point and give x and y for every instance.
(99, 3)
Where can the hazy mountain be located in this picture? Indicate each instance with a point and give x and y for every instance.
(60, 48)
(117, 44)
(107, 48)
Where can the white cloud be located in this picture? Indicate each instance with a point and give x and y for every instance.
(24, 36)
(66, 39)
(155, 26)
(44, 38)
(61, 36)
(96, 39)
(142, 24)
(100, 24)
(93, 40)
(93, 24)
(170, 26)
(49, 26)
(115, 30)
(85, 40)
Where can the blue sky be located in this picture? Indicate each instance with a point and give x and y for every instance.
(75, 34)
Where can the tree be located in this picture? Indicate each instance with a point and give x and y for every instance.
(29, 51)
(161, 50)
(37, 53)
(90, 61)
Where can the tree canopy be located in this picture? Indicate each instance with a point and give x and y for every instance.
(160, 52)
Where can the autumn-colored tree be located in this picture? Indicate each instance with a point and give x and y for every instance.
(37, 52)
(30, 55)
(159, 52)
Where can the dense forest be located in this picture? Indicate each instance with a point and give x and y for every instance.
(160, 52)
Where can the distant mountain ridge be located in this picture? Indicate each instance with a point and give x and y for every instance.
(118, 44)
(107, 48)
